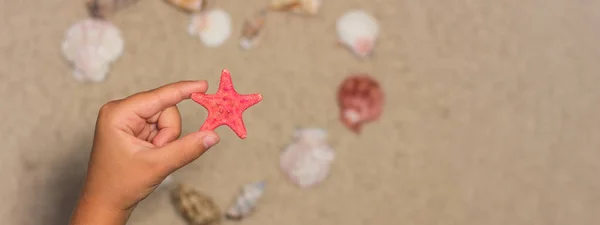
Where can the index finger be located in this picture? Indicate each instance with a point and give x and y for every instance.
(148, 103)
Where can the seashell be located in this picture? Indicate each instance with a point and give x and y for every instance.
(213, 27)
(252, 28)
(308, 7)
(358, 31)
(105, 8)
(307, 160)
(360, 99)
(189, 5)
(246, 201)
(91, 45)
(194, 206)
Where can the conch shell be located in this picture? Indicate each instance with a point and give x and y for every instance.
(194, 206)
(246, 201)
(308, 7)
(252, 28)
(307, 160)
(105, 8)
(361, 100)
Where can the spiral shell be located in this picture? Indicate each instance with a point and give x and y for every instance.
(252, 28)
(195, 207)
(246, 201)
(105, 8)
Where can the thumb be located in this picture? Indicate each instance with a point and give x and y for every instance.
(183, 151)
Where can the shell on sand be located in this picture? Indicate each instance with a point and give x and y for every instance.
(246, 201)
(196, 207)
(189, 5)
(252, 29)
(309, 7)
(360, 99)
(307, 160)
(91, 45)
(358, 31)
(104, 8)
(213, 27)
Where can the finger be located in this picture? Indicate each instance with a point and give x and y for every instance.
(183, 151)
(149, 103)
(168, 125)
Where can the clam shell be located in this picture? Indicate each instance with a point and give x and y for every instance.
(246, 201)
(189, 5)
(213, 27)
(196, 207)
(252, 29)
(358, 31)
(360, 99)
(307, 160)
(91, 45)
(308, 7)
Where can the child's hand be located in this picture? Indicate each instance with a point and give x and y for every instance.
(135, 148)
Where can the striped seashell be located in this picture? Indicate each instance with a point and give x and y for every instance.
(246, 201)
(358, 31)
(213, 27)
(308, 7)
(252, 29)
(195, 207)
(307, 160)
(189, 5)
(91, 45)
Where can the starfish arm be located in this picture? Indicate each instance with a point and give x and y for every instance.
(226, 84)
(249, 100)
(202, 99)
(237, 125)
(211, 123)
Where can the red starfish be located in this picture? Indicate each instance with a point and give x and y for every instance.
(226, 106)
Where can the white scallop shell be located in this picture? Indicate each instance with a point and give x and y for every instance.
(91, 45)
(358, 30)
(307, 160)
(246, 201)
(213, 27)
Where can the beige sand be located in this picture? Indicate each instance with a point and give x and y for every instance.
(492, 115)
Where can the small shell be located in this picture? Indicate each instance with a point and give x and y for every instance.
(252, 28)
(360, 99)
(358, 31)
(189, 5)
(307, 160)
(105, 8)
(308, 7)
(246, 201)
(213, 27)
(91, 45)
(195, 207)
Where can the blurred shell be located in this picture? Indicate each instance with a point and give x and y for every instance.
(189, 5)
(309, 7)
(194, 206)
(358, 31)
(252, 29)
(213, 27)
(246, 201)
(91, 45)
(307, 160)
(360, 99)
(105, 8)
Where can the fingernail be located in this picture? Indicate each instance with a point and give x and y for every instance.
(209, 141)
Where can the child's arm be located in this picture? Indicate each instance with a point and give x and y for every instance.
(135, 148)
